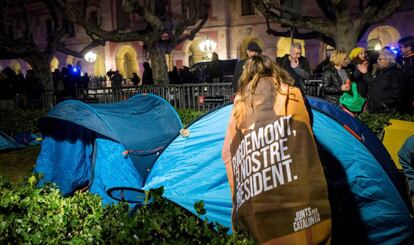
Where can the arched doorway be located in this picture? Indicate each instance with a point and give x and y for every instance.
(382, 36)
(99, 66)
(54, 64)
(242, 49)
(126, 61)
(284, 43)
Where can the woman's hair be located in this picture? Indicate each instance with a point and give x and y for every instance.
(259, 66)
(339, 57)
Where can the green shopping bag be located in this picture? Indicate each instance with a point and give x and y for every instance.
(352, 100)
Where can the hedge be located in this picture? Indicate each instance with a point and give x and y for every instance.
(41, 215)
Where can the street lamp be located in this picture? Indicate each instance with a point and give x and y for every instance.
(208, 46)
(90, 56)
(378, 46)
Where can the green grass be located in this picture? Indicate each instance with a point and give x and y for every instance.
(16, 165)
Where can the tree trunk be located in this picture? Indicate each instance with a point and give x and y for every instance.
(345, 36)
(41, 67)
(158, 64)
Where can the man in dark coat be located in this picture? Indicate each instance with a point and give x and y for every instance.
(407, 50)
(214, 69)
(386, 89)
(147, 78)
(252, 49)
(296, 65)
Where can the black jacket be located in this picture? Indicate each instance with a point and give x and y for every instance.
(408, 70)
(300, 73)
(385, 91)
(214, 70)
(362, 80)
(331, 85)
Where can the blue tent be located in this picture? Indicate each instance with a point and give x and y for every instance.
(104, 145)
(8, 143)
(366, 194)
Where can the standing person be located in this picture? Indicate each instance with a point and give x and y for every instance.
(359, 70)
(407, 50)
(334, 79)
(116, 80)
(296, 65)
(116, 84)
(214, 69)
(253, 49)
(386, 89)
(135, 79)
(272, 160)
(147, 75)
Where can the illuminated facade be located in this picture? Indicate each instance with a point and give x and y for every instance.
(231, 25)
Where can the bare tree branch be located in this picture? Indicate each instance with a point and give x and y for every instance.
(72, 13)
(274, 11)
(337, 24)
(183, 25)
(376, 13)
(61, 47)
(298, 35)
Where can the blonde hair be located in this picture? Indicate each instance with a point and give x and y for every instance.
(339, 57)
(260, 66)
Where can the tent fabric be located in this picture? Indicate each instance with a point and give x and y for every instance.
(191, 169)
(107, 172)
(136, 129)
(381, 208)
(8, 143)
(64, 157)
(369, 140)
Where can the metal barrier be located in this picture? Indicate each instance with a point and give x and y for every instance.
(203, 96)
(30, 100)
(200, 96)
(313, 87)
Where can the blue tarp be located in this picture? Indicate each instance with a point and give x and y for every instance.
(191, 168)
(85, 140)
(8, 143)
(363, 196)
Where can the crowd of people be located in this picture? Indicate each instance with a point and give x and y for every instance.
(26, 90)
(270, 129)
(351, 81)
(356, 84)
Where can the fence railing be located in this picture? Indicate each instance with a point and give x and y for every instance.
(200, 96)
(203, 96)
(190, 96)
(33, 100)
(313, 87)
